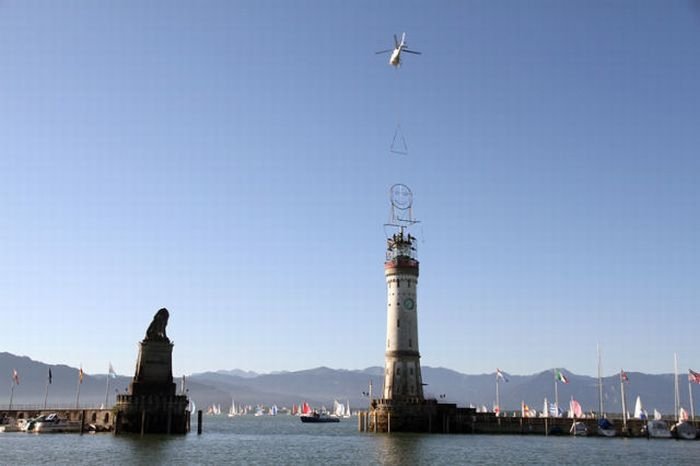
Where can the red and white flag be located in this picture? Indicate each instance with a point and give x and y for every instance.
(623, 376)
(693, 376)
(575, 408)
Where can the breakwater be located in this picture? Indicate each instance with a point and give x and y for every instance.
(89, 419)
(444, 418)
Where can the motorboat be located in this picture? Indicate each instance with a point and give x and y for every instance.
(52, 423)
(318, 417)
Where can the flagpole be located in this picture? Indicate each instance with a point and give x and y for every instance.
(46, 394)
(109, 376)
(692, 407)
(498, 400)
(77, 395)
(624, 403)
(556, 395)
(12, 393)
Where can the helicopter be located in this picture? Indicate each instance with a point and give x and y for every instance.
(395, 59)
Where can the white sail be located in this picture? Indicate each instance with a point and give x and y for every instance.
(638, 410)
(338, 408)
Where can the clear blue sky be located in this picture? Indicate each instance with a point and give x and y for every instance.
(230, 161)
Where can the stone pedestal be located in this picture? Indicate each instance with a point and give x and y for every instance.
(151, 406)
(154, 369)
(418, 415)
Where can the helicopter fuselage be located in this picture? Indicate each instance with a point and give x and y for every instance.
(395, 59)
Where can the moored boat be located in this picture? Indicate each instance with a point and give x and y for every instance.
(657, 428)
(606, 428)
(578, 429)
(52, 423)
(684, 430)
(318, 417)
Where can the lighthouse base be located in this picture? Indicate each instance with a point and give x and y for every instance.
(417, 415)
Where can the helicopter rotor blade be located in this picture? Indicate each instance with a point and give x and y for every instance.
(396, 41)
(384, 51)
(412, 51)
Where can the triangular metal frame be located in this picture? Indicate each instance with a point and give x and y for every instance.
(398, 144)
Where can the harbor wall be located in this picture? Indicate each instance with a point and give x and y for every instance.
(431, 417)
(92, 419)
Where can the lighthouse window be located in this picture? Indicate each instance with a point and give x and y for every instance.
(410, 371)
(398, 371)
(398, 283)
(410, 343)
(398, 322)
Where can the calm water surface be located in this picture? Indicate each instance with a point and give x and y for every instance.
(285, 440)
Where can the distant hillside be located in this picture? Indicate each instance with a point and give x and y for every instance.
(320, 386)
(34, 376)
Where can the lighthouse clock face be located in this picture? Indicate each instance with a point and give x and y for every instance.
(409, 304)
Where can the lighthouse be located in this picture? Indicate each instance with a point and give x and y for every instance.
(402, 375)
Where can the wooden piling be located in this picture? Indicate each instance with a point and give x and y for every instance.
(388, 422)
(199, 422)
(82, 421)
(143, 421)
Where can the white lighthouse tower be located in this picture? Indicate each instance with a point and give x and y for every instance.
(402, 374)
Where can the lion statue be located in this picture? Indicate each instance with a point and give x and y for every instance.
(156, 331)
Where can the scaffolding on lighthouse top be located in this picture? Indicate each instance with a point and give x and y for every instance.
(401, 249)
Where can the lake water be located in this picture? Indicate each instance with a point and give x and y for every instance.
(285, 440)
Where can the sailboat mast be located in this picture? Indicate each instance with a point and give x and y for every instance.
(600, 386)
(677, 399)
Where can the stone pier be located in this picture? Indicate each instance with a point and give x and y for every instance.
(151, 405)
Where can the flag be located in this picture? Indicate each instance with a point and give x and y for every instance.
(560, 377)
(524, 410)
(15, 377)
(111, 371)
(80, 375)
(693, 376)
(575, 408)
(50, 376)
(553, 410)
(623, 377)
(683, 414)
(500, 375)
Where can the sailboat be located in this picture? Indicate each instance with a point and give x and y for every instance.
(605, 428)
(682, 429)
(232, 412)
(338, 409)
(578, 428)
(347, 409)
(639, 411)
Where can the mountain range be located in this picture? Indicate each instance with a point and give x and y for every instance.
(320, 386)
